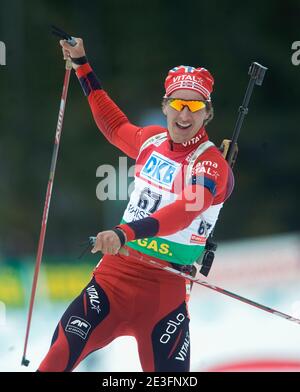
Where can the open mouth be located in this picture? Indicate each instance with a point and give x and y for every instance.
(183, 126)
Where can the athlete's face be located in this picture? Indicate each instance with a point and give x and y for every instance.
(184, 124)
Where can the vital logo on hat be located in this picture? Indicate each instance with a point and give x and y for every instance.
(190, 78)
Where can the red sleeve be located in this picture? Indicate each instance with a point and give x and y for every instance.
(172, 218)
(111, 121)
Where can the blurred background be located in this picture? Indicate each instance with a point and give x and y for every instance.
(132, 45)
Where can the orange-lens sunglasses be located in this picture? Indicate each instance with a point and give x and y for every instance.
(179, 104)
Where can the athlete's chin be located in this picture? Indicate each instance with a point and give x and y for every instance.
(181, 135)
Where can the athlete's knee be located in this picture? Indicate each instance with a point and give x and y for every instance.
(57, 357)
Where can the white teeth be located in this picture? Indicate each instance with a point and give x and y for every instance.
(183, 125)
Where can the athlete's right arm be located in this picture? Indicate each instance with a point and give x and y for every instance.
(111, 121)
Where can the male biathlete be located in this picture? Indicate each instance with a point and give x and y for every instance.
(181, 183)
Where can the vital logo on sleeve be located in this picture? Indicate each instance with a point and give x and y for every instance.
(160, 170)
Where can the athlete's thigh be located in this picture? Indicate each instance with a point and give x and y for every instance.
(86, 325)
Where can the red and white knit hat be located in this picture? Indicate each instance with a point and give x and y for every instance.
(189, 78)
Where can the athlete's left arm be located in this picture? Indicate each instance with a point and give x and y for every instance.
(207, 186)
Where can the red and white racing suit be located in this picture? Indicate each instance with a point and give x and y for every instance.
(178, 193)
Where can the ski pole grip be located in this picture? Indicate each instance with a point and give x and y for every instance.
(71, 41)
(92, 240)
(257, 72)
(62, 34)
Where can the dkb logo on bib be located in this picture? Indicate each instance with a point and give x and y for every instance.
(160, 170)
